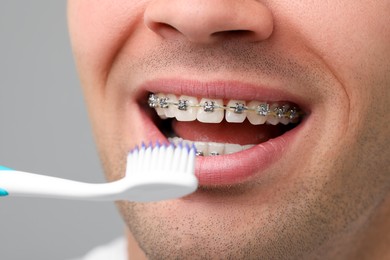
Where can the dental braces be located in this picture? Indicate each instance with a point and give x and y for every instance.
(263, 109)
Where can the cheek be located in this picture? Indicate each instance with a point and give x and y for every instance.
(352, 40)
(99, 30)
(350, 37)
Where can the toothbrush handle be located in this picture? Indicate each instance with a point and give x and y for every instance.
(17, 183)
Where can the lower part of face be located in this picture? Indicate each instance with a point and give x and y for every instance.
(321, 196)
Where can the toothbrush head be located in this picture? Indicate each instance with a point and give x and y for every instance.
(160, 172)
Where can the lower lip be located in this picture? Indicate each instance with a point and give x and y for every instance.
(243, 166)
(233, 168)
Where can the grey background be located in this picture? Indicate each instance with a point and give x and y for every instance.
(44, 129)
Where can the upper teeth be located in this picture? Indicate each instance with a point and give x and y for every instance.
(186, 108)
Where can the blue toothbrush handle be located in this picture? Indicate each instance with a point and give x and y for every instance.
(3, 168)
(4, 192)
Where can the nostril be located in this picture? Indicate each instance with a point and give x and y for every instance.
(164, 30)
(239, 34)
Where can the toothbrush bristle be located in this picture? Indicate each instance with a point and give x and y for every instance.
(162, 171)
(162, 146)
(158, 157)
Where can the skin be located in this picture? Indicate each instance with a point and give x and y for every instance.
(328, 197)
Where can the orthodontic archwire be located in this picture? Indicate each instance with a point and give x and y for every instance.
(263, 109)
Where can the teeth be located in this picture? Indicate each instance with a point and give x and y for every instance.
(216, 149)
(201, 148)
(211, 148)
(186, 108)
(281, 112)
(210, 111)
(236, 111)
(273, 120)
(260, 113)
(161, 105)
(171, 111)
(234, 148)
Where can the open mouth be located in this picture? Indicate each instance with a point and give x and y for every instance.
(220, 127)
(239, 130)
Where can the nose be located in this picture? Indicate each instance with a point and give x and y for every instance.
(208, 21)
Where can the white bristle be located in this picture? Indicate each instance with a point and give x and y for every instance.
(183, 159)
(154, 159)
(176, 159)
(161, 157)
(168, 158)
(191, 163)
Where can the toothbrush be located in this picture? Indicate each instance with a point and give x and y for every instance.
(152, 174)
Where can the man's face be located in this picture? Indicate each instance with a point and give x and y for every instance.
(305, 189)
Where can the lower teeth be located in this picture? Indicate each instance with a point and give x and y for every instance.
(211, 148)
